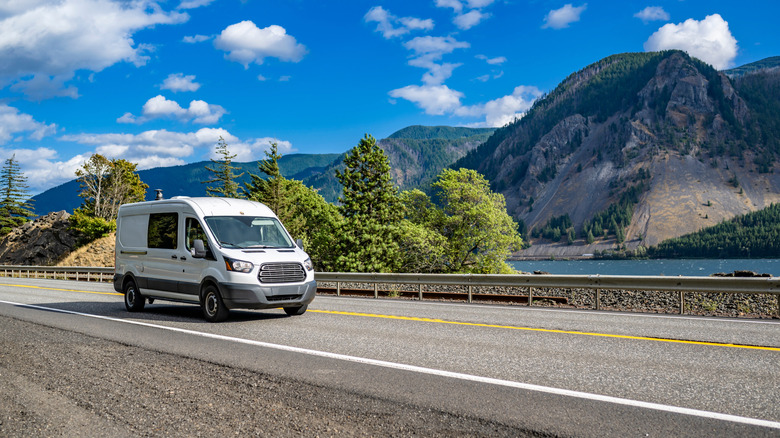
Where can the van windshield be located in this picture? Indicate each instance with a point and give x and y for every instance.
(249, 232)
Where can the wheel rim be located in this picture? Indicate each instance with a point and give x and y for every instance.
(211, 304)
(130, 296)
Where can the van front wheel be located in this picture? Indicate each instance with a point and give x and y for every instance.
(291, 311)
(134, 301)
(214, 309)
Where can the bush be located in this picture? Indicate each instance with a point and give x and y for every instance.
(90, 227)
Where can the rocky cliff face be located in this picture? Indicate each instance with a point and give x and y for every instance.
(663, 125)
(41, 242)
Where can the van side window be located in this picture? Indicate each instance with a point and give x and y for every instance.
(193, 231)
(163, 230)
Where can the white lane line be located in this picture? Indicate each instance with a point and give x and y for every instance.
(435, 372)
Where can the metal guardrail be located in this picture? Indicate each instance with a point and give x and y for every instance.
(682, 285)
(79, 273)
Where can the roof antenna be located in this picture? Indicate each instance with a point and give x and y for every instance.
(159, 195)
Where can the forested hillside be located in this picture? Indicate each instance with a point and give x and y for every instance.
(755, 234)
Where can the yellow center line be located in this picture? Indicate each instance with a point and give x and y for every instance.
(567, 332)
(472, 324)
(61, 290)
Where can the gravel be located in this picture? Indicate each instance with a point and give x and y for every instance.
(60, 383)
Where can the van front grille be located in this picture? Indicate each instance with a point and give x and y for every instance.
(281, 273)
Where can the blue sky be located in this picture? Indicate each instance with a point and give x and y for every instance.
(158, 82)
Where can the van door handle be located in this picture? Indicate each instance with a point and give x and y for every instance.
(182, 258)
(174, 257)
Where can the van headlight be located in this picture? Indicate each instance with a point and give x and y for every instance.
(238, 265)
(308, 264)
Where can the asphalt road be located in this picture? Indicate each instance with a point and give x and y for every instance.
(552, 371)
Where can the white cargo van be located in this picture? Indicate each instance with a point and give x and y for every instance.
(221, 253)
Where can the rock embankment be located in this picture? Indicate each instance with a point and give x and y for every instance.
(41, 242)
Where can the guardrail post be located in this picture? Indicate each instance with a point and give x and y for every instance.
(419, 291)
(470, 291)
(682, 302)
(778, 305)
(598, 299)
(338, 288)
(530, 296)
(376, 291)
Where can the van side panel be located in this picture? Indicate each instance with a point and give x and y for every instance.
(132, 230)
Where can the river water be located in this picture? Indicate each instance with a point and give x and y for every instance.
(685, 267)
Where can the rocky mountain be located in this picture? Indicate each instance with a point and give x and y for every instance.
(659, 138)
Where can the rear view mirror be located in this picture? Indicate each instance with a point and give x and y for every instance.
(198, 249)
(299, 242)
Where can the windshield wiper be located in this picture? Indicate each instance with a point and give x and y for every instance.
(223, 243)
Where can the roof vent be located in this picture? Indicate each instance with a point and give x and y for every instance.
(159, 195)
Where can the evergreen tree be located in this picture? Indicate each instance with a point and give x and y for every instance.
(227, 187)
(15, 207)
(371, 211)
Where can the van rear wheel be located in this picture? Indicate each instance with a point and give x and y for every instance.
(213, 307)
(292, 311)
(134, 301)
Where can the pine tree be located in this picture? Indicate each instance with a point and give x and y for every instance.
(15, 207)
(371, 209)
(227, 187)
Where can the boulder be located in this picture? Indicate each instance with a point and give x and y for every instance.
(41, 242)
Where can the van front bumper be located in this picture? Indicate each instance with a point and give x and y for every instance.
(255, 296)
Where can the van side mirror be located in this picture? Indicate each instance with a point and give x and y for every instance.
(198, 249)
(299, 242)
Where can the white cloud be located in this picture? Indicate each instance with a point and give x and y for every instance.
(42, 44)
(178, 82)
(456, 5)
(192, 4)
(441, 100)
(246, 43)
(428, 51)
(158, 107)
(435, 45)
(466, 20)
(479, 3)
(255, 149)
(652, 13)
(492, 61)
(499, 112)
(195, 39)
(709, 40)
(469, 19)
(561, 18)
(434, 99)
(391, 26)
(12, 123)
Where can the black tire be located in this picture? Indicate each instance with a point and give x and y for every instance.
(294, 311)
(134, 301)
(213, 307)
